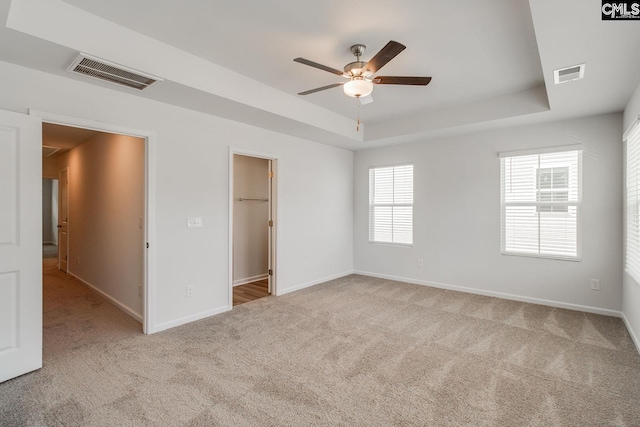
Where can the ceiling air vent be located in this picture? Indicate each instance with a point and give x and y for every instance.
(48, 151)
(568, 74)
(110, 72)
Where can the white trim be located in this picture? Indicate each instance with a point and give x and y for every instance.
(274, 206)
(71, 121)
(230, 230)
(128, 310)
(149, 273)
(634, 337)
(391, 165)
(502, 295)
(631, 128)
(191, 318)
(543, 150)
(246, 280)
(251, 153)
(534, 255)
(149, 318)
(314, 282)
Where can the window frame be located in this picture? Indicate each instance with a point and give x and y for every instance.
(631, 139)
(372, 205)
(577, 203)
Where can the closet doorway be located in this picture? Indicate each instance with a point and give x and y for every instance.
(253, 241)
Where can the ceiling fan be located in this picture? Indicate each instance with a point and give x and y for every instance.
(361, 75)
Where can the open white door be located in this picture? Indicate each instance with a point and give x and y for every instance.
(20, 244)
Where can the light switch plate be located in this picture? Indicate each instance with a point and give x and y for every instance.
(194, 222)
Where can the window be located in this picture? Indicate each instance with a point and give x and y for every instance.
(553, 186)
(632, 256)
(391, 204)
(540, 202)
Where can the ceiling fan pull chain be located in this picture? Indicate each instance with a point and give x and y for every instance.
(358, 125)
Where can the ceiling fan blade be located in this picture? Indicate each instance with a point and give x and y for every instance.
(319, 66)
(318, 89)
(396, 80)
(386, 54)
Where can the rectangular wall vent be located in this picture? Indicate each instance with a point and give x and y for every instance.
(569, 74)
(112, 73)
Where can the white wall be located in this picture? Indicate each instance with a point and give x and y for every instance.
(106, 203)
(250, 219)
(631, 290)
(315, 192)
(457, 216)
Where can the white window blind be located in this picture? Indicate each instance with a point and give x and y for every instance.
(632, 258)
(540, 202)
(391, 204)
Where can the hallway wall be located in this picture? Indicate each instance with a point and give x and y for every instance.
(106, 208)
(47, 193)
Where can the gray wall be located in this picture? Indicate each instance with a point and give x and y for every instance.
(47, 194)
(106, 204)
(49, 210)
(315, 191)
(457, 216)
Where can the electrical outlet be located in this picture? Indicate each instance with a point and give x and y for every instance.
(78, 260)
(595, 284)
(420, 263)
(140, 290)
(190, 291)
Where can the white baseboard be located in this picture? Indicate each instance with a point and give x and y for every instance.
(513, 297)
(244, 281)
(191, 318)
(309, 284)
(634, 337)
(128, 310)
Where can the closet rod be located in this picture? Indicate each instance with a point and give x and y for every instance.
(240, 199)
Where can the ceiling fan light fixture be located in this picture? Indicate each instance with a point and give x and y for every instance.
(357, 87)
(362, 75)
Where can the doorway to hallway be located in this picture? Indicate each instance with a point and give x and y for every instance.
(99, 230)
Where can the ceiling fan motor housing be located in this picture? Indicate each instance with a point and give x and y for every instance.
(354, 69)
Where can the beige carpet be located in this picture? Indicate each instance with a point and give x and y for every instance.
(355, 351)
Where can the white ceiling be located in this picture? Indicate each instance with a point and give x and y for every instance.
(492, 61)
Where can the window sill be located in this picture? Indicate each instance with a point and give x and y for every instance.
(402, 245)
(553, 257)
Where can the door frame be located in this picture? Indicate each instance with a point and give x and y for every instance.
(274, 158)
(149, 258)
